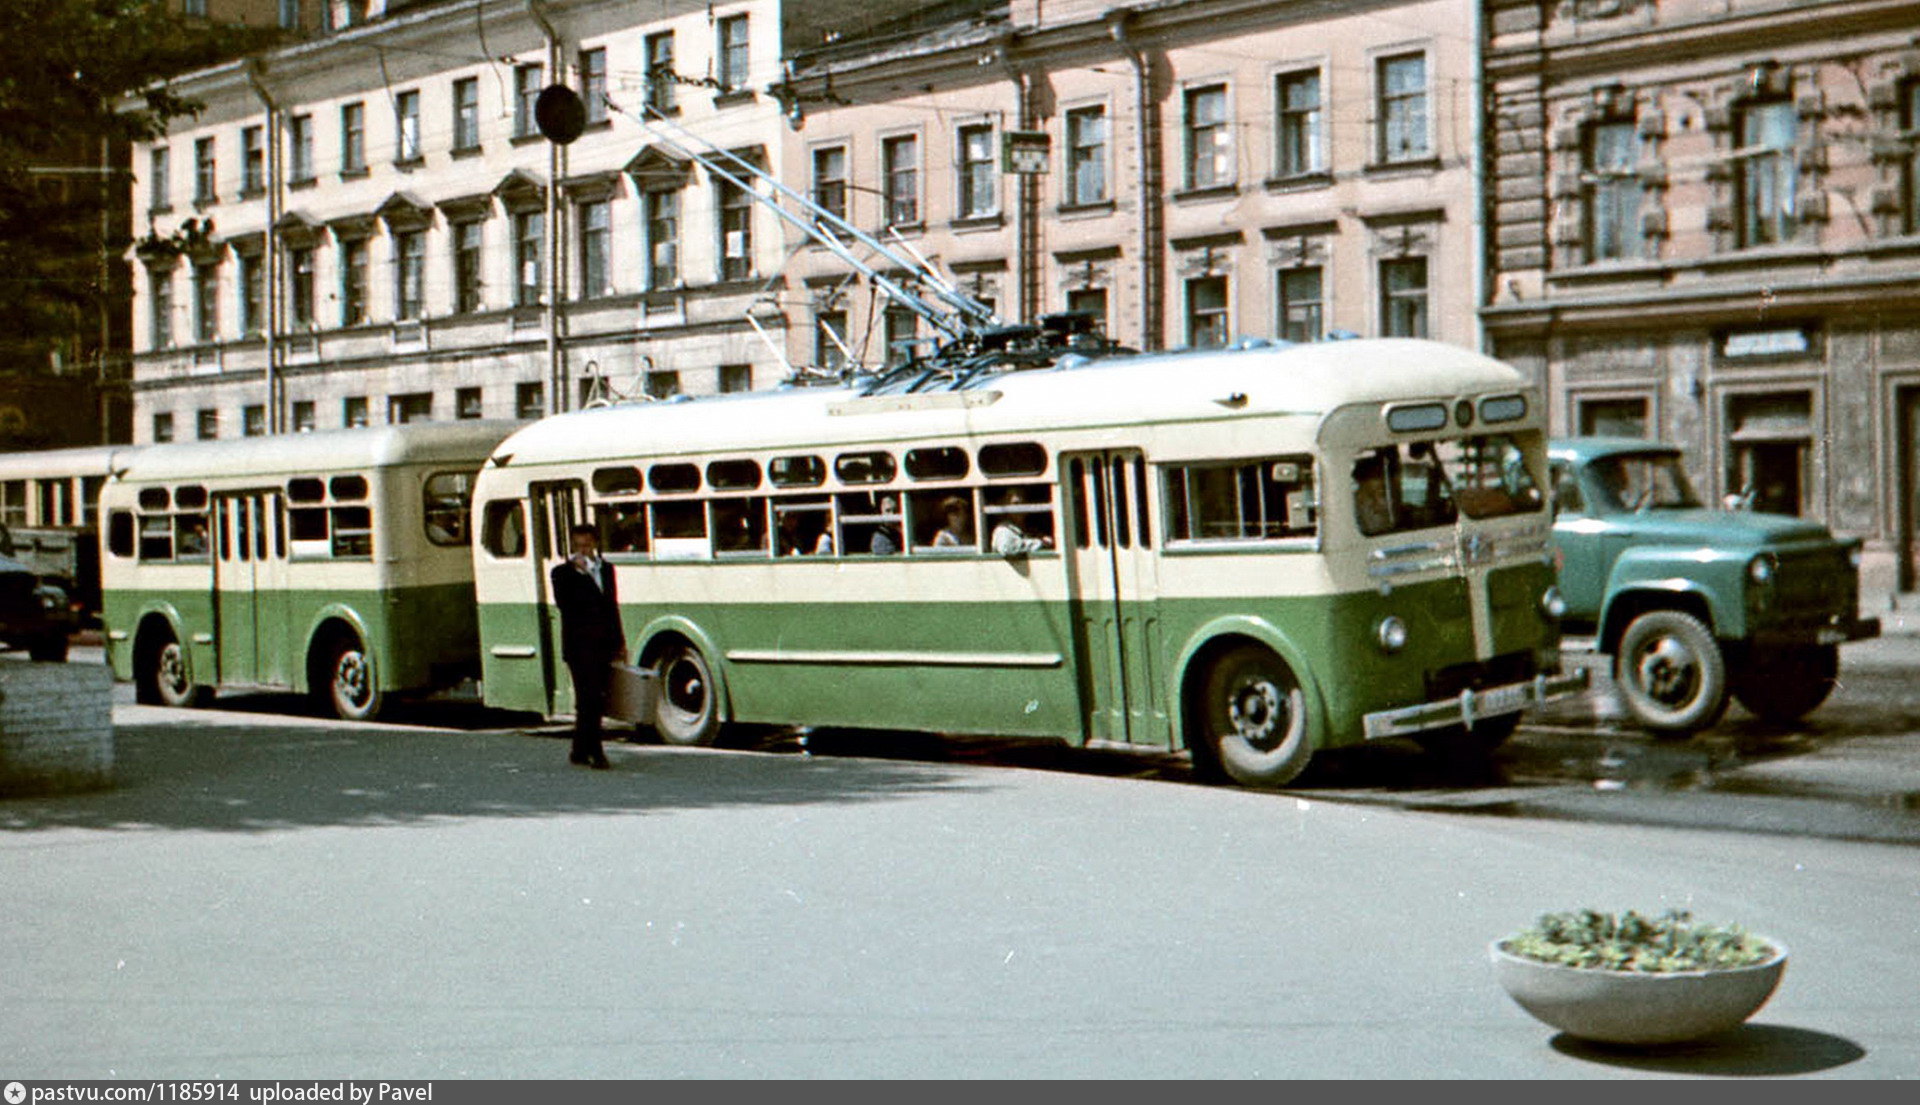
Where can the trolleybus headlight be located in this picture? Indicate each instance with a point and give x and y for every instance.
(1392, 633)
(1552, 603)
(1760, 569)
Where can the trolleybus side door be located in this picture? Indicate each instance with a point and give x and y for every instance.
(557, 508)
(249, 584)
(1113, 592)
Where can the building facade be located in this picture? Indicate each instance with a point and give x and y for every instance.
(1704, 227)
(1190, 173)
(370, 227)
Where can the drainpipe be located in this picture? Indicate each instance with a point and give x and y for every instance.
(1152, 250)
(557, 397)
(1026, 210)
(270, 255)
(1482, 195)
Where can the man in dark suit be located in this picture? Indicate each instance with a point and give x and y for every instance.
(591, 639)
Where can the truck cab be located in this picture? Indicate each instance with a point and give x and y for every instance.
(34, 614)
(1695, 604)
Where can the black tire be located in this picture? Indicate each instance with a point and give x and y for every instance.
(1671, 673)
(168, 677)
(686, 707)
(49, 648)
(1251, 720)
(350, 690)
(1784, 685)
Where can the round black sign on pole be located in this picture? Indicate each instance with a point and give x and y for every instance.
(559, 113)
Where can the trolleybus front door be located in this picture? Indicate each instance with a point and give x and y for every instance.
(557, 508)
(1112, 591)
(250, 588)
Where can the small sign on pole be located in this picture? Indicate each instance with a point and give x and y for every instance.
(1025, 151)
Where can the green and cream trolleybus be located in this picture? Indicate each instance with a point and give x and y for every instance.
(1250, 553)
(337, 564)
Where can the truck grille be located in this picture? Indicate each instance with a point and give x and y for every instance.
(1813, 584)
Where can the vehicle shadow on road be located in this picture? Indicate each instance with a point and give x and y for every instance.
(231, 774)
(1750, 1051)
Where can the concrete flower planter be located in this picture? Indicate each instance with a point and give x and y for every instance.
(1635, 1007)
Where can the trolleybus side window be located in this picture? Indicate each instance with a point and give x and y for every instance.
(1012, 459)
(1028, 506)
(1267, 499)
(679, 529)
(740, 526)
(623, 527)
(870, 523)
(120, 536)
(449, 498)
(505, 535)
(804, 524)
(324, 525)
(944, 462)
(943, 521)
(857, 468)
(801, 471)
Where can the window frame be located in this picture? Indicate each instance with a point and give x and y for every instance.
(1210, 139)
(976, 181)
(1300, 138)
(1087, 179)
(466, 114)
(1402, 111)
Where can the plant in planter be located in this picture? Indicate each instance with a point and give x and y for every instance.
(1635, 979)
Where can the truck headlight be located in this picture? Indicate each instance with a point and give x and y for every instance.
(1391, 633)
(1552, 603)
(1760, 570)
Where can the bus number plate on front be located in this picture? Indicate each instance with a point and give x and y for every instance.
(1501, 700)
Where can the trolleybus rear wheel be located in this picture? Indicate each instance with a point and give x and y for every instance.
(351, 690)
(1253, 719)
(686, 710)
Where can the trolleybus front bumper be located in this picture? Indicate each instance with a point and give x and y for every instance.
(1471, 705)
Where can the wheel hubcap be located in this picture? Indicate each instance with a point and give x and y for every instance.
(687, 688)
(1257, 713)
(350, 677)
(1668, 671)
(173, 674)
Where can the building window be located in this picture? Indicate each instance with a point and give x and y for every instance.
(466, 113)
(1086, 155)
(290, 14)
(736, 377)
(1611, 189)
(1403, 298)
(194, 7)
(596, 240)
(159, 179)
(1764, 173)
(830, 179)
(300, 286)
(593, 83)
(409, 274)
(253, 420)
(1207, 312)
(1209, 140)
(353, 281)
(206, 303)
(1909, 125)
(901, 331)
(303, 416)
(736, 233)
(662, 385)
(732, 53)
(253, 161)
(406, 126)
(1614, 417)
(467, 255)
(353, 138)
(203, 170)
(353, 411)
(413, 407)
(466, 403)
(299, 149)
(251, 271)
(1402, 88)
(976, 185)
(529, 242)
(660, 71)
(526, 89)
(206, 425)
(529, 400)
(163, 427)
(900, 162)
(1301, 305)
(1091, 302)
(830, 339)
(160, 303)
(663, 239)
(1770, 450)
(1296, 99)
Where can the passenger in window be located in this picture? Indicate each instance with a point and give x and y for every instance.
(957, 532)
(1009, 537)
(803, 533)
(886, 536)
(1372, 495)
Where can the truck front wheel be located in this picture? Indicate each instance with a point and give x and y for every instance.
(1784, 685)
(1670, 672)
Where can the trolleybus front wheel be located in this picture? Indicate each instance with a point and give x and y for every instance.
(1253, 719)
(163, 676)
(686, 709)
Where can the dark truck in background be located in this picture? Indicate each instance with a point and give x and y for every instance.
(37, 613)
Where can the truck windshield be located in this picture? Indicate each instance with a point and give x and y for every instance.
(1642, 481)
(1432, 483)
